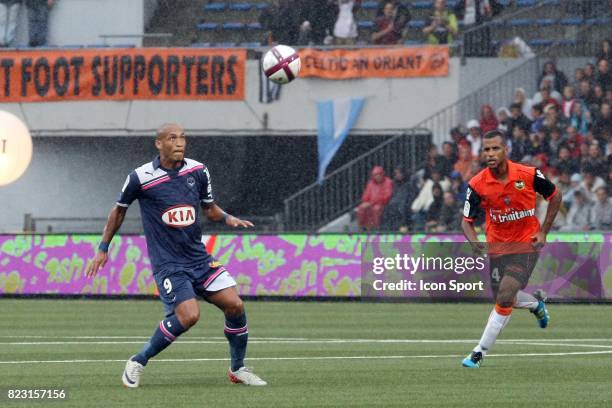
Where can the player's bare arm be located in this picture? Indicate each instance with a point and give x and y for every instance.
(551, 212)
(115, 219)
(214, 213)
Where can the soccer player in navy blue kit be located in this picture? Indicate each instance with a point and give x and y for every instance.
(169, 190)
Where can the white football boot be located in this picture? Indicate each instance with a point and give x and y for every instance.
(244, 375)
(131, 374)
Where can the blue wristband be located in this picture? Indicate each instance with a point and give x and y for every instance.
(225, 216)
(103, 246)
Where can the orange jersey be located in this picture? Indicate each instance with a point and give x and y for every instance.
(509, 207)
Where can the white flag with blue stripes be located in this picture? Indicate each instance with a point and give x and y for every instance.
(335, 118)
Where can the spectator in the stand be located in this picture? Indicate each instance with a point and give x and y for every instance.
(553, 76)
(503, 120)
(585, 92)
(432, 218)
(457, 135)
(579, 214)
(488, 121)
(552, 118)
(555, 142)
(598, 95)
(575, 182)
(537, 114)
(596, 161)
(318, 18)
(590, 182)
(425, 198)
(605, 51)
(539, 144)
(520, 97)
(589, 73)
(375, 197)
(547, 95)
(387, 30)
(518, 118)
(450, 214)
(458, 186)
(449, 152)
(578, 77)
(345, 29)
(281, 22)
(464, 162)
(604, 76)
(601, 211)
(565, 163)
(477, 37)
(573, 141)
(520, 144)
(563, 183)
(569, 100)
(603, 122)
(580, 118)
(396, 212)
(474, 136)
(9, 12)
(437, 162)
(442, 26)
(38, 21)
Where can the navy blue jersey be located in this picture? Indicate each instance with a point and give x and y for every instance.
(170, 207)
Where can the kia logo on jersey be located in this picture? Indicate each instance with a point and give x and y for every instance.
(179, 216)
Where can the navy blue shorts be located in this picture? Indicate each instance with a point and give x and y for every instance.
(177, 284)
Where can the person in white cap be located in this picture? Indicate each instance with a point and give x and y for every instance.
(474, 136)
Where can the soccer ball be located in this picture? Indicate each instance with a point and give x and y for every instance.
(281, 64)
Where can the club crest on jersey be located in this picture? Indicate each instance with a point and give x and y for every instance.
(179, 216)
(507, 200)
(519, 185)
(190, 181)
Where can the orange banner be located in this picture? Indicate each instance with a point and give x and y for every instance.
(122, 74)
(375, 62)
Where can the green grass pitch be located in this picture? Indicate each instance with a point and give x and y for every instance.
(312, 355)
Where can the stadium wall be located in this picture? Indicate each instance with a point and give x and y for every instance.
(82, 22)
(276, 265)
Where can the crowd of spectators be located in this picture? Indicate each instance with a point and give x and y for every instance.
(333, 22)
(564, 129)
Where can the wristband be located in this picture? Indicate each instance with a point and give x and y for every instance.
(225, 216)
(103, 246)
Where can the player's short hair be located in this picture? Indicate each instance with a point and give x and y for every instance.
(495, 133)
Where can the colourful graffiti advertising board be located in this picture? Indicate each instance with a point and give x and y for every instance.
(275, 265)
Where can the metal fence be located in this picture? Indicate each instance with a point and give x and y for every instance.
(318, 204)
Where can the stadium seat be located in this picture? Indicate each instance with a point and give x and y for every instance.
(545, 21)
(369, 5)
(540, 42)
(225, 45)
(416, 23)
(241, 6)
(598, 21)
(97, 46)
(252, 44)
(262, 6)
(525, 3)
(422, 5)
(365, 24)
(520, 22)
(214, 7)
(567, 42)
(254, 26)
(552, 2)
(451, 4)
(413, 42)
(497, 23)
(207, 26)
(200, 45)
(572, 21)
(233, 26)
(504, 3)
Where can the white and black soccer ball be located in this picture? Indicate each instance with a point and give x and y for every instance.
(281, 64)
